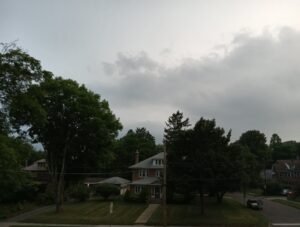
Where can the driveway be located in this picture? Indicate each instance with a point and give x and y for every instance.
(278, 214)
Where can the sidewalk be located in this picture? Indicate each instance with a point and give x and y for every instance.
(144, 217)
(7, 224)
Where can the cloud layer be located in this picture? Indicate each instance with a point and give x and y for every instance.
(256, 85)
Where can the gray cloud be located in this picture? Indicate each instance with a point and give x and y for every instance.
(255, 85)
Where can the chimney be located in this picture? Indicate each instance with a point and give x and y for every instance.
(136, 157)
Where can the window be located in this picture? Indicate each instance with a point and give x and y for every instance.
(41, 164)
(138, 189)
(143, 173)
(157, 162)
(158, 173)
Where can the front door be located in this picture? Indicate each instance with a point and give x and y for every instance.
(157, 192)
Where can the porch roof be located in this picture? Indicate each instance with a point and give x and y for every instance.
(147, 181)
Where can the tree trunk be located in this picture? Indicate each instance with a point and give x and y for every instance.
(201, 200)
(220, 197)
(60, 182)
(244, 193)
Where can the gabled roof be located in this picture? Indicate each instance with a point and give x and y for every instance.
(148, 164)
(115, 180)
(36, 167)
(286, 165)
(111, 180)
(147, 181)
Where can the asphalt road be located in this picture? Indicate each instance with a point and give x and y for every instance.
(278, 214)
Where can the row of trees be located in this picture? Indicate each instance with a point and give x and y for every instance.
(201, 158)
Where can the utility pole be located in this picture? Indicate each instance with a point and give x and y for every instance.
(165, 188)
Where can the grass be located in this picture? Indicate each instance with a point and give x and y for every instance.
(288, 203)
(38, 226)
(255, 192)
(229, 213)
(92, 212)
(10, 210)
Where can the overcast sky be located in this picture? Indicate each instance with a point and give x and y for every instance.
(235, 61)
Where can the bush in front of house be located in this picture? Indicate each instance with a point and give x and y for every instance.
(45, 198)
(144, 195)
(273, 188)
(127, 196)
(107, 190)
(79, 192)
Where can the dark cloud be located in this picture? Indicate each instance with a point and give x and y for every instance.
(256, 85)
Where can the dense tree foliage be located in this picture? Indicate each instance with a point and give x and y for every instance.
(275, 140)
(199, 160)
(13, 180)
(174, 126)
(75, 127)
(139, 140)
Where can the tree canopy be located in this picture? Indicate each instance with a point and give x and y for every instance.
(199, 159)
(139, 140)
(75, 127)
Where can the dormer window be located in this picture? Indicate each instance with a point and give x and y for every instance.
(42, 164)
(158, 162)
(143, 173)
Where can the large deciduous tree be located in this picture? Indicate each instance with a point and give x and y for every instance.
(75, 127)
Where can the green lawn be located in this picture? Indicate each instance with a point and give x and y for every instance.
(288, 203)
(10, 210)
(255, 192)
(229, 213)
(92, 212)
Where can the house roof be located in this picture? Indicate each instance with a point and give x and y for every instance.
(115, 180)
(36, 167)
(147, 181)
(91, 180)
(111, 180)
(286, 165)
(148, 163)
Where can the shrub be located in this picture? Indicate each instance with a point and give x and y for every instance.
(127, 196)
(107, 190)
(144, 195)
(273, 188)
(45, 198)
(79, 192)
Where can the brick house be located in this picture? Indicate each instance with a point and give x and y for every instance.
(287, 172)
(39, 171)
(148, 174)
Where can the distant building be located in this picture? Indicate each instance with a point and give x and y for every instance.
(148, 174)
(39, 171)
(287, 172)
(120, 182)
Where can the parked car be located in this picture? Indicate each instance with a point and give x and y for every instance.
(286, 191)
(255, 204)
